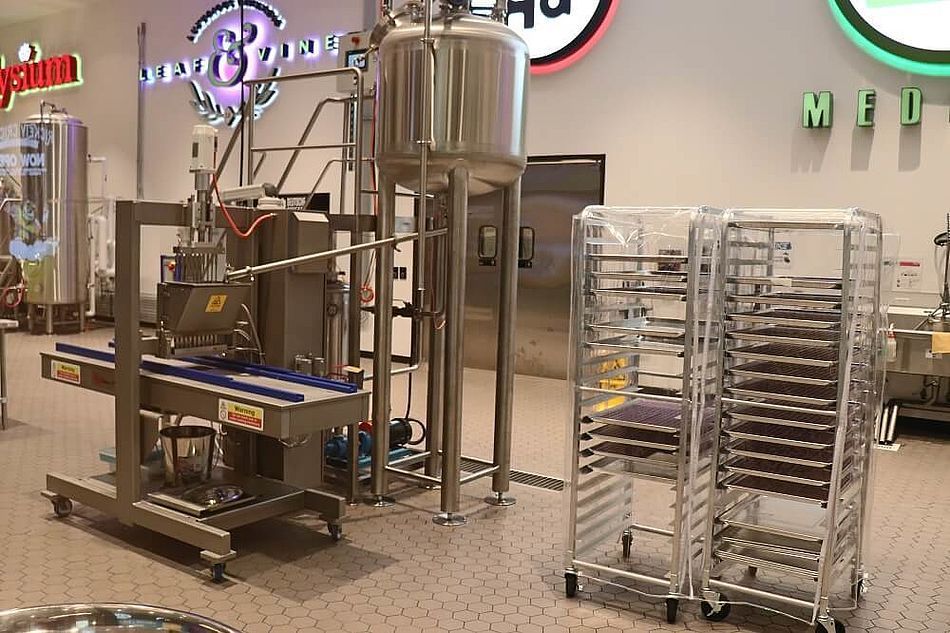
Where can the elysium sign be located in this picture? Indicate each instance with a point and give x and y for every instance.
(912, 35)
(558, 32)
(33, 74)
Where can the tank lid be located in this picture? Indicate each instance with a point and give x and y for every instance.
(54, 117)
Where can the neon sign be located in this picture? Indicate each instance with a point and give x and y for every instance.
(558, 32)
(33, 74)
(910, 35)
(239, 37)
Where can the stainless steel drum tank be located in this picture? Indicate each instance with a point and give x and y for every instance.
(50, 235)
(480, 82)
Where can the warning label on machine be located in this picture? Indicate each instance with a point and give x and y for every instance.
(216, 303)
(66, 372)
(240, 414)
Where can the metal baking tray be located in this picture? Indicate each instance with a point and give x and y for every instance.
(767, 515)
(776, 488)
(788, 454)
(634, 437)
(805, 419)
(664, 259)
(786, 353)
(613, 466)
(787, 435)
(826, 283)
(639, 347)
(794, 299)
(644, 292)
(635, 454)
(815, 319)
(781, 471)
(786, 391)
(658, 328)
(783, 563)
(743, 537)
(787, 372)
(649, 416)
(794, 336)
(663, 276)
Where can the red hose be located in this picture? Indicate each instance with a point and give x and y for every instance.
(227, 214)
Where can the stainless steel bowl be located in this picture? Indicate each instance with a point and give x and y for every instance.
(100, 618)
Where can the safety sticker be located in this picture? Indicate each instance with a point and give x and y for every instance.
(67, 372)
(216, 303)
(240, 414)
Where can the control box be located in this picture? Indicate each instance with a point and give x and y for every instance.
(354, 53)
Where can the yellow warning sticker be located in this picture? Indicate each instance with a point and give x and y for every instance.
(216, 303)
(66, 372)
(240, 414)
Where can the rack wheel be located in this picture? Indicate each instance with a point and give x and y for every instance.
(335, 530)
(570, 584)
(62, 507)
(823, 628)
(217, 572)
(627, 542)
(716, 613)
(672, 609)
(860, 588)
(753, 571)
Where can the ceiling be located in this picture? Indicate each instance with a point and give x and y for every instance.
(13, 12)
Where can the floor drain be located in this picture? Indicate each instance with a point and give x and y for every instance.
(520, 477)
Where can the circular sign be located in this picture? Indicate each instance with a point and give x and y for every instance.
(911, 35)
(560, 32)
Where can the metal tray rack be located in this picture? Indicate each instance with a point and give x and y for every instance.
(645, 355)
(793, 435)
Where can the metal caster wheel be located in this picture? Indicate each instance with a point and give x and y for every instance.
(336, 531)
(570, 584)
(62, 507)
(716, 612)
(830, 627)
(627, 541)
(217, 572)
(672, 610)
(860, 588)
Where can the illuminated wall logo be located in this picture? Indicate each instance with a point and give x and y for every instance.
(234, 51)
(33, 74)
(558, 32)
(912, 35)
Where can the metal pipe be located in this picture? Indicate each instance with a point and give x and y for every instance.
(306, 134)
(397, 372)
(249, 131)
(478, 475)
(356, 236)
(507, 313)
(758, 593)
(500, 11)
(425, 144)
(140, 121)
(312, 74)
(437, 267)
(299, 148)
(454, 341)
(409, 459)
(383, 342)
(409, 474)
(260, 269)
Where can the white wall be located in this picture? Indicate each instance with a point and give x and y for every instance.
(699, 102)
(692, 101)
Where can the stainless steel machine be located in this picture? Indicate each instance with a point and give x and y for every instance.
(50, 225)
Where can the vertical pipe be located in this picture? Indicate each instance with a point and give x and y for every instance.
(454, 341)
(140, 122)
(383, 342)
(249, 126)
(505, 369)
(436, 357)
(425, 144)
(356, 237)
(3, 381)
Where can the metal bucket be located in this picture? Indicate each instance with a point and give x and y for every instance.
(189, 452)
(99, 618)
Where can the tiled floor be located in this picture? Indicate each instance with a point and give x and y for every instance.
(396, 571)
